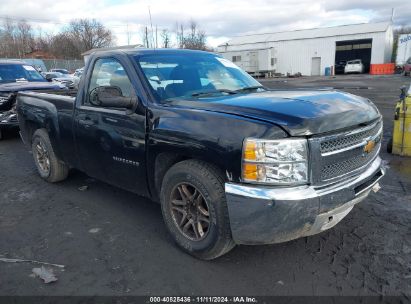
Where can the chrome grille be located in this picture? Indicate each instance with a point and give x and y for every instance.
(349, 140)
(343, 154)
(340, 168)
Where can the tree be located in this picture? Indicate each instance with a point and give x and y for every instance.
(196, 38)
(191, 38)
(16, 39)
(165, 39)
(87, 34)
(179, 31)
(147, 37)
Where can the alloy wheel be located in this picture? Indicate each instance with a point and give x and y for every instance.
(42, 157)
(190, 211)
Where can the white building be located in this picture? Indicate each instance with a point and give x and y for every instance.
(310, 52)
(403, 49)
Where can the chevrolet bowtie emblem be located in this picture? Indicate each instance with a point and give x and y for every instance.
(369, 146)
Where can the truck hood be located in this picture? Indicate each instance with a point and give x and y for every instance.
(300, 113)
(27, 86)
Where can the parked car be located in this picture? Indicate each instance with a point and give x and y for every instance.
(354, 66)
(17, 76)
(230, 161)
(78, 72)
(407, 68)
(62, 71)
(339, 66)
(67, 80)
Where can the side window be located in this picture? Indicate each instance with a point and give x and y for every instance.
(108, 72)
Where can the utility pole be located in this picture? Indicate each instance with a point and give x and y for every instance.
(151, 24)
(146, 38)
(128, 36)
(156, 38)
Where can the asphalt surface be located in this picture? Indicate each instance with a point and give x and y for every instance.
(115, 243)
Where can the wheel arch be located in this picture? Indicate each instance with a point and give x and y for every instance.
(165, 160)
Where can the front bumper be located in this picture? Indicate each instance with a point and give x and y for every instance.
(267, 215)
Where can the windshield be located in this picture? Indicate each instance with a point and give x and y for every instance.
(55, 75)
(18, 72)
(191, 75)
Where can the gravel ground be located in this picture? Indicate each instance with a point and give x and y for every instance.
(115, 243)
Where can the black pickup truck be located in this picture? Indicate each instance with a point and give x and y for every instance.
(18, 76)
(230, 161)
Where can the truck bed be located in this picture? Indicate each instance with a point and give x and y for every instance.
(61, 99)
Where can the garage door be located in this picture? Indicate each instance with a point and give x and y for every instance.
(354, 49)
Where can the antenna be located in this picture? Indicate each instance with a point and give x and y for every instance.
(392, 14)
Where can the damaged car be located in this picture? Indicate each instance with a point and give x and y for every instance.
(18, 76)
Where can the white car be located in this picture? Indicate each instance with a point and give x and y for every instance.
(354, 66)
(68, 80)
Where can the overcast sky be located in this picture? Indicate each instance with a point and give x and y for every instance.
(221, 19)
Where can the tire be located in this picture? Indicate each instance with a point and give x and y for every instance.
(206, 179)
(49, 166)
(389, 145)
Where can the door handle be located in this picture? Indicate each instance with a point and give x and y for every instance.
(86, 122)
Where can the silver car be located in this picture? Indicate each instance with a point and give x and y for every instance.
(354, 66)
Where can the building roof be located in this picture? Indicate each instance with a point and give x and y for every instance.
(351, 29)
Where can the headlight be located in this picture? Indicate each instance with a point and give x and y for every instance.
(280, 162)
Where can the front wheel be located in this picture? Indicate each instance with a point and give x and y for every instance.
(49, 166)
(194, 208)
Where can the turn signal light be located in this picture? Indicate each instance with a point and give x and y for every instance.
(250, 172)
(249, 151)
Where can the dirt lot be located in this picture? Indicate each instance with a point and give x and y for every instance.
(115, 243)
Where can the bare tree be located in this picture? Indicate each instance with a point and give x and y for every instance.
(88, 34)
(165, 39)
(16, 39)
(196, 38)
(146, 37)
(192, 38)
(179, 32)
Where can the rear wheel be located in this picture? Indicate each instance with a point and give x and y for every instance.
(194, 209)
(49, 166)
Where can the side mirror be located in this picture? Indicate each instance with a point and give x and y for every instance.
(49, 78)
(111, 96)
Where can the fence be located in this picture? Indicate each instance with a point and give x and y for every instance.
(47, 64)
(69, 65)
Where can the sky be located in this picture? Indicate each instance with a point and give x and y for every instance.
(220, 19)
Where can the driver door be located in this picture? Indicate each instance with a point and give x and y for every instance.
(111, 139)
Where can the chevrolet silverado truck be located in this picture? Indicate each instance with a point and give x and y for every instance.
(17, 76)
(230, 161)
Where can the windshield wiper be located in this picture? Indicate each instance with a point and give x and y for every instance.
(245, 89)
(209, 93)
